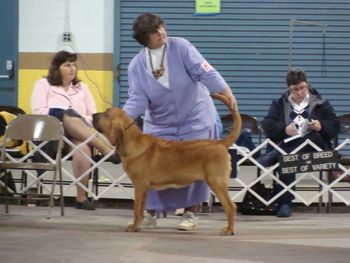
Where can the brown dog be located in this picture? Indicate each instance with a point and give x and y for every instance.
(153, 163)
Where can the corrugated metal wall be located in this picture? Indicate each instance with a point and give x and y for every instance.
(249, 43)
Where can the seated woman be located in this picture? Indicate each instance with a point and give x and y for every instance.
(63, 95)
(301, 112)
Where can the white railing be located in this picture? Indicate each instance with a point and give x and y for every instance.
(319, 182)
(117, 185)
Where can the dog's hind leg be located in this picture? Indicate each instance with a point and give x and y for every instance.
(139, 204)
(219, 186)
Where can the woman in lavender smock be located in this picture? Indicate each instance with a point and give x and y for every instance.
(170, 82)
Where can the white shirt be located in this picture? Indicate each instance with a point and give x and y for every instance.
(156, 55)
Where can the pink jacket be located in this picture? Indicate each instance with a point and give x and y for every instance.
(78, 97)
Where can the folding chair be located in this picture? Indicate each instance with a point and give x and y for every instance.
(35, 128)
(12, 109)
(251, 126)
(14, 150)
(344, 160)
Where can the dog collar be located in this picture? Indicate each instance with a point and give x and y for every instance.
(129, 126)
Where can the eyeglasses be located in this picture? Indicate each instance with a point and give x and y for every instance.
(298, 88)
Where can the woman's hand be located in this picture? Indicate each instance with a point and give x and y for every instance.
(291, 129)
(315, 125)
(227, 92)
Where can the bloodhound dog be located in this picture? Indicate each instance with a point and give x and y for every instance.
(153, 163)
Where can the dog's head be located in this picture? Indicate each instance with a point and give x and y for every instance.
(113, 123)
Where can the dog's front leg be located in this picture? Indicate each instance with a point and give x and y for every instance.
(139, 203)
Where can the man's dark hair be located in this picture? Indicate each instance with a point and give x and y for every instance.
(144, 25)
(54, 77)
(295, 76)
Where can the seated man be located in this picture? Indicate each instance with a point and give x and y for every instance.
(299, 111)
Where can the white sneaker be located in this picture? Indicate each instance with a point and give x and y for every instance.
(189, 221)
(179, 211)
(149, 221)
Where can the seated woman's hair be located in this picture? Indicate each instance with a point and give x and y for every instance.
(54, 77)
(144, 25)
(295, 76)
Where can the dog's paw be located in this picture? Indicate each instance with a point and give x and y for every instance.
(131, 228)
(227, 231)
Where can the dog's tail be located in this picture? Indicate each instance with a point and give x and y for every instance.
(237, 122)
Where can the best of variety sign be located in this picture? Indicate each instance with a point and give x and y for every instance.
(308, 162)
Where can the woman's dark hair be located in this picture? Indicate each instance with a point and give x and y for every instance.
(295, 76)
(54, 77)
(144, 25)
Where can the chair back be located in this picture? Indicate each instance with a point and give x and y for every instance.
(344, 123)
(12, 109)
(344, 131)
(35, 127)
(249, 124)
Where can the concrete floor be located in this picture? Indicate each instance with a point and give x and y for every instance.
(97, 236)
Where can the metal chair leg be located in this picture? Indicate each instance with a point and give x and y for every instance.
(320, 199)
(51, 194)
(61, 192)
(6, 194)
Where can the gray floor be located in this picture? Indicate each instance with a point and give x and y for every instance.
(97, 236)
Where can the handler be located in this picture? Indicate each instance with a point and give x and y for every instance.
(169, 82)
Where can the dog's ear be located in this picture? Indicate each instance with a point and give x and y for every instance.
(117, 157)
(118, 139)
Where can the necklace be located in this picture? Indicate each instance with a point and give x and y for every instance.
(157, 73)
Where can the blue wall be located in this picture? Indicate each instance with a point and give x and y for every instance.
(249, 43)
(8, 50)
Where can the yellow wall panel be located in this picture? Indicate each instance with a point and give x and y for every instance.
(26, 81)
(100, 84)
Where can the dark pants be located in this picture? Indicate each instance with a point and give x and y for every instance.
(271, 157)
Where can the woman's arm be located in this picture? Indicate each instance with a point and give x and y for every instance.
(89, 103)
(39, 100)
(227, 92)
(137, 102)
(274, 124)
(200, 70)
(329, 122)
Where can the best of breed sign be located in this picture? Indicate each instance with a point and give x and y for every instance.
(308, 162)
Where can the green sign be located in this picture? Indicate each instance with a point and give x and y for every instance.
(205, 7)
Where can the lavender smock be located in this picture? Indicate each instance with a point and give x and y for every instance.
(184, 111)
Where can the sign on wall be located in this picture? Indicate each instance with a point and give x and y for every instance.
(208, 7)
